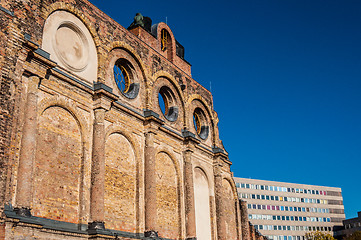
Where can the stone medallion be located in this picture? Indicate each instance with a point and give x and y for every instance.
(71, 46)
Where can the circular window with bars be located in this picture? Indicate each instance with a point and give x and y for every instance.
(200, 123)
(167, 104)
(124, 78)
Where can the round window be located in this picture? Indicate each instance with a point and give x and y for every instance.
(200, 123)
(167, 104)
(124, 78)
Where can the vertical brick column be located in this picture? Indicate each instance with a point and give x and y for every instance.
(221, 220)
(150, 187)
(27, 151)
(98, 171)
(244, 220)
(189, 196)
(238, 218)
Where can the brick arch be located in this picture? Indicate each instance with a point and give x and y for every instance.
(175, 84)
(157, 28)
(115, 128)
(68, 106)
(167, 151)
(208, 112)
(233, 185)
(202, 100)
(126, 47)
(206, 174)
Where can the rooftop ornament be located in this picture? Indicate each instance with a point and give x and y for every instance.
(144, 22)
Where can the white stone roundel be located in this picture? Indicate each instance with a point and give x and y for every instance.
(71, 46)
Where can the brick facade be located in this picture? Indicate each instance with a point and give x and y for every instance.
(81, 158)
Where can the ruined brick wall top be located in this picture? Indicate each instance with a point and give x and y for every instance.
(108, 35)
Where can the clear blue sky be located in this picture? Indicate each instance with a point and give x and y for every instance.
(286, 81)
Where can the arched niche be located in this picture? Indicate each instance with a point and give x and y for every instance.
(202, 205)
(229, 209)
(167, 43)
(167, 191)
(70, 45)
(120, 184)
(57, 167)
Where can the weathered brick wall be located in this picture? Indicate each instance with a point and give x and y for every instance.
(90, 137)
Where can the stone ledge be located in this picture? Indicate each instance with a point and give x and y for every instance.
(60, 226)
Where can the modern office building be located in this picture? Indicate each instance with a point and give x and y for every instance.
(287, 211)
